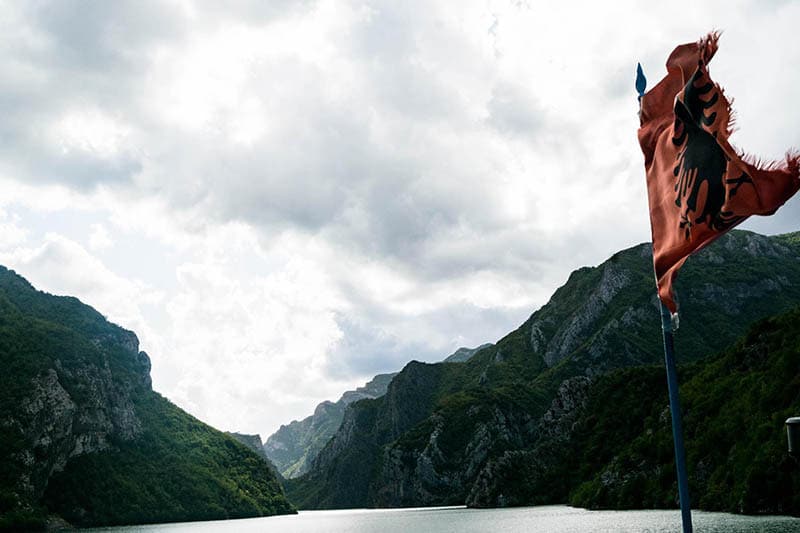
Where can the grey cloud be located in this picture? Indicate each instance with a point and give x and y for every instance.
(26, 151)
(98, 35)
(513, 110)
(326, 172)
(435, 237)
(330, 174)
(306, 179)
(410, 90)
(405, 49)
(620, 81)
(515, 253)
(368, 348)
(66, 55)
(786, 220)
(83, 171)
(252, 11)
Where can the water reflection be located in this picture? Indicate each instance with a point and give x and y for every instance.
(546, 519)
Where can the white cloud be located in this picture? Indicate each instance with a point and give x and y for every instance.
(62, 266)
(90, 131)
(245, 334)
(11, 233)
(99, 238)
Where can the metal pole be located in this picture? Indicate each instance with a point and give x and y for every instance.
(677, 425)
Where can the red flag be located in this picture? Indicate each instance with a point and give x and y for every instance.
(698, 185)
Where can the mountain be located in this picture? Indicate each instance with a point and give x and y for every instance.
(465, 354)
(251, 441)
(254, 443)
(430, 438)
(610, 444)
(295, 445)
(84, 436)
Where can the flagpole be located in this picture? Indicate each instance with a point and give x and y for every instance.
(677, 425)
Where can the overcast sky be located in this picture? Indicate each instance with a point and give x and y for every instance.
(284, 198)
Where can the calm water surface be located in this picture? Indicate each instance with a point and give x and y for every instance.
(550, 519)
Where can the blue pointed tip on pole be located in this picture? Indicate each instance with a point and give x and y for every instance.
(641, 81)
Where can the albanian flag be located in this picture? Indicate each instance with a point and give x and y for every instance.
(698, 185)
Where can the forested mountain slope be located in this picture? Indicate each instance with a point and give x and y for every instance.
(84, 436)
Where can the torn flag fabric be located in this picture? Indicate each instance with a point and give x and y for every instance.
(698, 185)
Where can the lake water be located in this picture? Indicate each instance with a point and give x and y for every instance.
(546, 519)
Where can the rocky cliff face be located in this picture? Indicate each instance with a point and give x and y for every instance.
(434, 475)
(509, 407)
(57, 426)
(528, 469)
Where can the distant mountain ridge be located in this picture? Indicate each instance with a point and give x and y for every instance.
(84, 436)
(431, 438)
(254, 443)
(463, 355)
(295, 445)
